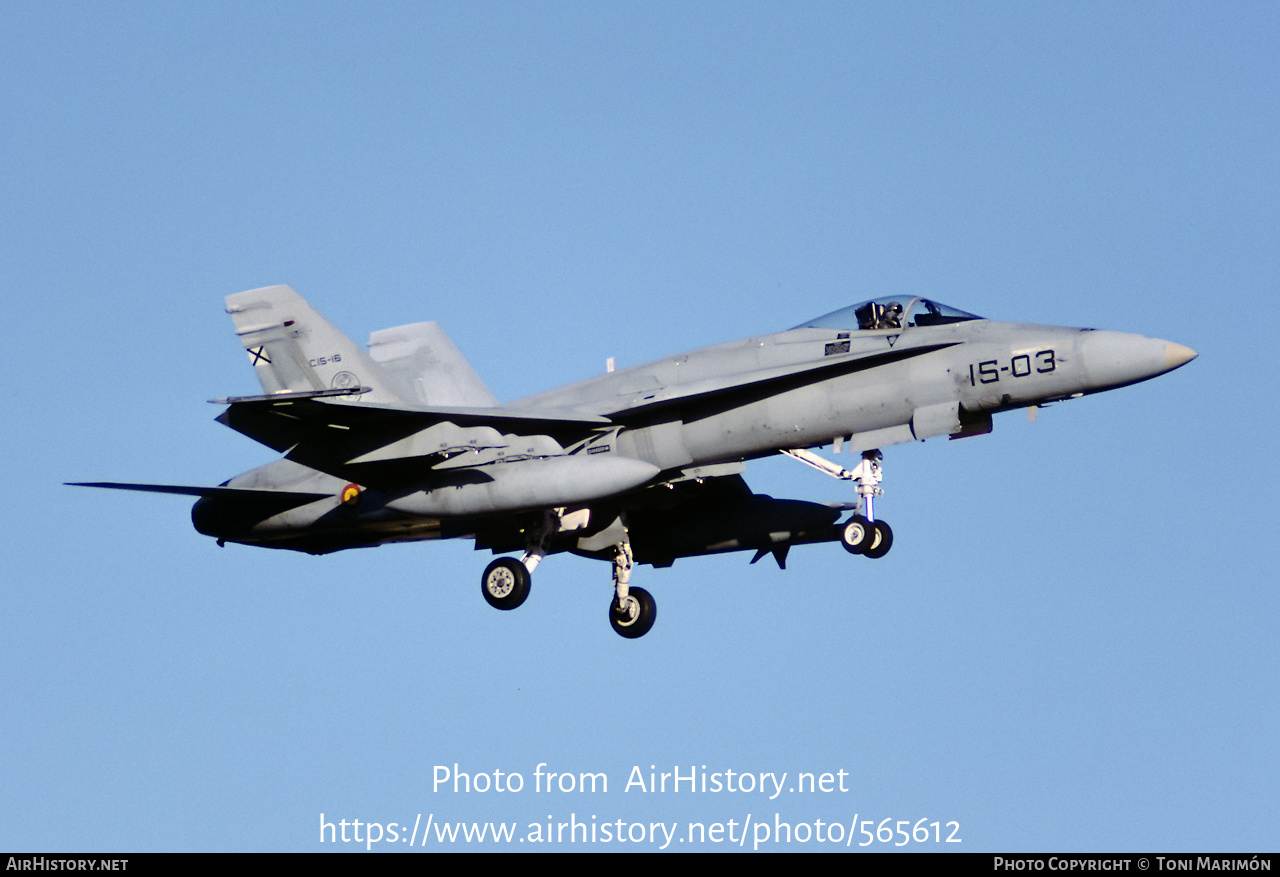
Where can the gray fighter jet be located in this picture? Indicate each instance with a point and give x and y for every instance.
(638, 465)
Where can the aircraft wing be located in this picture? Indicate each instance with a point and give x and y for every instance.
(282, 423)
(351, 440)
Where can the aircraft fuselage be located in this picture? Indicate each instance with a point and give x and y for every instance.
(806, 387)
(405, 443)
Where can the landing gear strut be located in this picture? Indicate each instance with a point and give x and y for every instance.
(633, 610)
(505, 583)
(862, 533)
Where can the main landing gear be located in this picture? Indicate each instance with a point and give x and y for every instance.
(633, 610)
(505, 583)
(862, 533)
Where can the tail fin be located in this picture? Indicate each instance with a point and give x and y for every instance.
(294, 349)
(422, 355)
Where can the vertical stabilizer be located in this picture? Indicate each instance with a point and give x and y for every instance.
(424, 357)
(292, 348)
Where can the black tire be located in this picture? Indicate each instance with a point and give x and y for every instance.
(857, 535)
(505, 583)
(638, 618)
(885, 541)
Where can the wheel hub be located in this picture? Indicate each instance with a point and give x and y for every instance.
(501, 583)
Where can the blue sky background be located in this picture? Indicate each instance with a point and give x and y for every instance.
(1073, 643)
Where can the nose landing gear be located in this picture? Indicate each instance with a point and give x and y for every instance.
(862, 533)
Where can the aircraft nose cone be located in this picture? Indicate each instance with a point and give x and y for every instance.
(1176, 354)
(1114, 359)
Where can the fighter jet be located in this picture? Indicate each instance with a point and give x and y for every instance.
(405, 442)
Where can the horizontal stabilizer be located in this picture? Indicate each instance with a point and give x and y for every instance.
(223, 492)
(288, 397)
(221, 507)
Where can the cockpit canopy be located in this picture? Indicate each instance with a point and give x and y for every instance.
(891, 312)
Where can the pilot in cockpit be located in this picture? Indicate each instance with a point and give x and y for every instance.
(873, 315)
